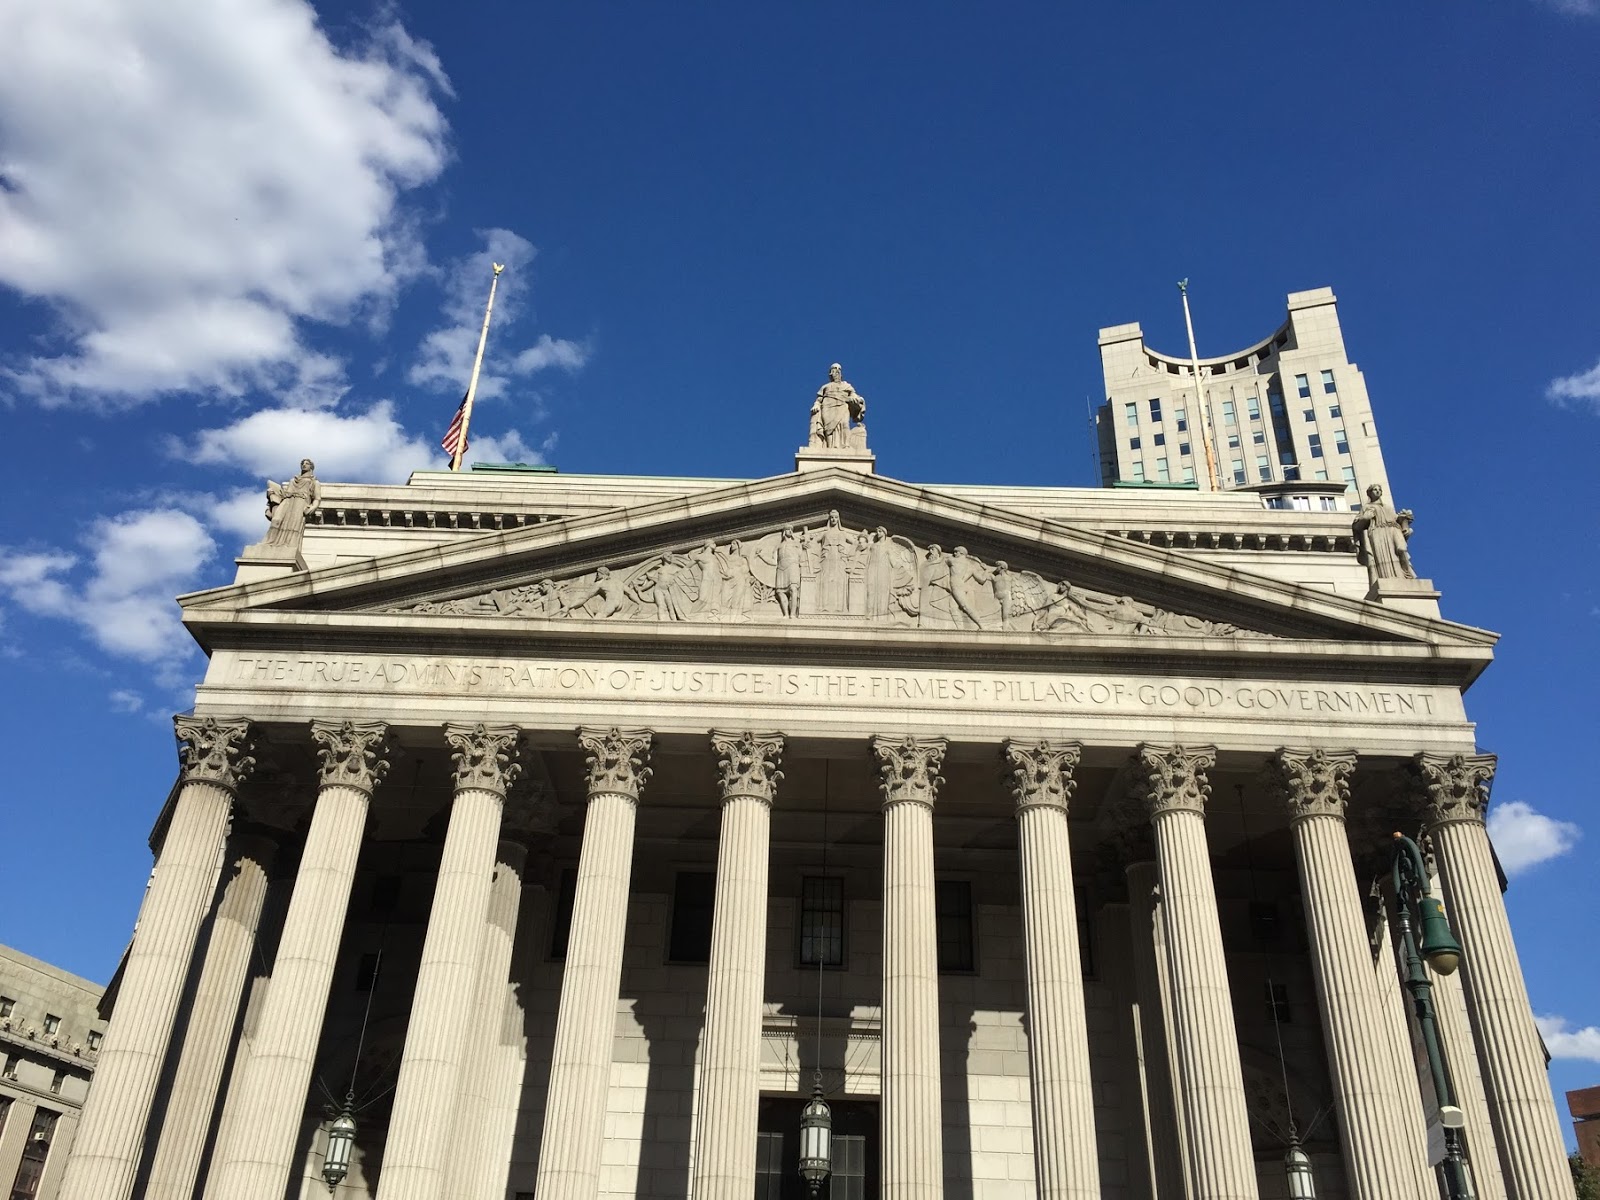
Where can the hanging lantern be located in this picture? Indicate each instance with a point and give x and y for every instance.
(1439, 945)
(1302, 1183)
(341, 1140)
(816, 1141)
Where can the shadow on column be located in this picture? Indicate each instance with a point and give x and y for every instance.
(672, 1037)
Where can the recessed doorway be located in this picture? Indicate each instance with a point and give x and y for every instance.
(855, 1150)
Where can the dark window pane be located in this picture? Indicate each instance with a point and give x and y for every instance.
(821, 922)
(693, 897)
(561, 919)
(953, 901)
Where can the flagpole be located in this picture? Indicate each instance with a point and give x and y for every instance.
(477, 365)
(1199, 392)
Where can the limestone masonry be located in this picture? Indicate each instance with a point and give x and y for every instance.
(557, 835)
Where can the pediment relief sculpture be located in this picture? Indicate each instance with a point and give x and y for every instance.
(833, 575)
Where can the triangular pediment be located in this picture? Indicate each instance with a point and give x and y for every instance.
(823, 551)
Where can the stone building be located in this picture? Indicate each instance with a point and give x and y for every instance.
(1290, 407)
(50, 1034)
(573, 829)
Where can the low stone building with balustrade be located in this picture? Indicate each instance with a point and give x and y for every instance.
(560, 836)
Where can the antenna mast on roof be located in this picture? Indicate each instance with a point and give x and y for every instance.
(1199, 392)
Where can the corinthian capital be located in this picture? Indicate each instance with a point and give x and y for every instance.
(747, 764)
(910, 769)
(485, 756)
(619, 760)
(1455, 787)
(1312, 783)
(353, 753)
(1173, 778)
(1039, 774)
(214, 751)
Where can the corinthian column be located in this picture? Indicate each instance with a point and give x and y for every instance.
(1066, 1162)
(255, 1160)
(212, 1019)
(215, 757)
(478, 1172)
(913, 1140)
(1516, 1087)
(436, 1036)
(580, 1059)
(1315, 787)
(730, 1051)
(1216, 1122)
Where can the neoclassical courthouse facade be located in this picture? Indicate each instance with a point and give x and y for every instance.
(567, 831)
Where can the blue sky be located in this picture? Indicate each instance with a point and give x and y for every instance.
(234, 232)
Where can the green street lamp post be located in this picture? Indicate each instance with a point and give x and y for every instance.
(1414, 898)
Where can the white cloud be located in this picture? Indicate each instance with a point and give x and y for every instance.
(124, 700)
(1584, 387)
(1524, 837)
(369, 446)
(187, 182)
(122, 595)
(444, 359)
(1568, 1043)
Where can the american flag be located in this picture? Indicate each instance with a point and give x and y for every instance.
(452, 441)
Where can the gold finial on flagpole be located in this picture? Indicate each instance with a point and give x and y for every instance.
(477, 365)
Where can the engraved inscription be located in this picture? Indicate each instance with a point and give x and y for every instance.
(1076, 693)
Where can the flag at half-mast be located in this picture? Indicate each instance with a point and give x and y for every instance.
(455, 438)
(454, 441)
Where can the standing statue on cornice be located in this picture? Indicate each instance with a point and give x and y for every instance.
(1381, 535)
(289, 503)
(837, 404)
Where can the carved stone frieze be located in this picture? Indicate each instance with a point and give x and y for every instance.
(618, 761)
(832, 574)
(909, 769)
(1039, 774)
(1173, 778)
(1311, 783)
(353, 753)
(485, 755)
(1455, 787)
(748, 764)
(214, 751)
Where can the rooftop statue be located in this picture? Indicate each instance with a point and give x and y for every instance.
(836, 406)
(1381, 535)
(288, 503)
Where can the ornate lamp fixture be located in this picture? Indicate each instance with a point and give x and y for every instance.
(816, 1139)
(341, 1140)
(816, 1119)
(1302, 1183)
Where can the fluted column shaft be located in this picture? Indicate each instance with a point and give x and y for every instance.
(1217, 1122)
(473, 1174)
(730, 1051)
(1066, 1159)
(1466, 1078)
(1316, 789)
(436, 1037)
(1517, 1088)
(105, 1153)
(213, 1018)
(256, 1159)
(1157, 1050)
(580, 1060)
(912, 1121)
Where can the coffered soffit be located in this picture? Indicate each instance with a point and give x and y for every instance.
(826, 550)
